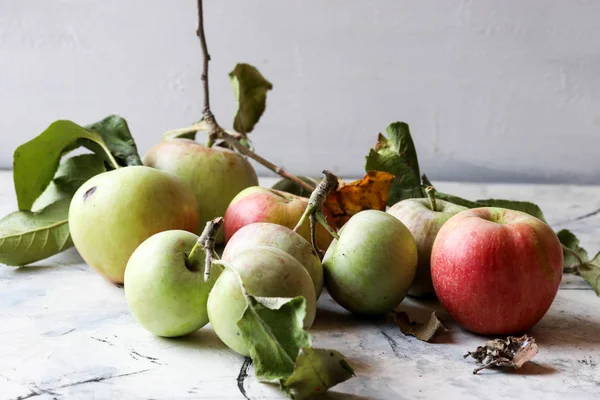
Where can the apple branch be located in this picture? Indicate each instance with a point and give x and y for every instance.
(206, 243)
(215, 131)
(314, 209)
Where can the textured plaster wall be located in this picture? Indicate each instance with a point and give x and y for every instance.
(493, 90)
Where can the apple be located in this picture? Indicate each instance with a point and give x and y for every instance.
(496, 271)
(372, 265)
(424, 220)
(258, 204)
(265, 272)
(215, 174)
(282, 238)
(112, 213)
(165, 290)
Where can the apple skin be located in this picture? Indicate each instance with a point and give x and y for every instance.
(424, 224)
(266, 272)
(164, 296)
(258, 204)
(370, 268)
(496, 271)
(282, 238)
(215, 174)
(112, 213)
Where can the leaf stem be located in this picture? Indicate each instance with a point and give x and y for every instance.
(430, 192)
(109, 155)
(214, 129)
(574, 254)
(314, 209)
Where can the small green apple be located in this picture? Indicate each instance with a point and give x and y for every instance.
(424, 223)
(215, 174)
(111, 214)
(370, 268)
(166, 291)
(282, 238)
(265, 272)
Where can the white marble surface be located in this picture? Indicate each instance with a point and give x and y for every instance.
(66, 333)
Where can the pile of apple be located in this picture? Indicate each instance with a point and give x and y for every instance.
(496, 271)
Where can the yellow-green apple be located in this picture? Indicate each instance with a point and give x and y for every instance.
(282, 238)
(370, 268)
(165, 287)
(111, 214)
(496, 271)
(215, 174)
(258, 204)
(424, 219)
(265, 272)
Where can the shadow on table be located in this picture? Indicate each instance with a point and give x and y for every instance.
(567, 330)
(333, 395)
(204, 338)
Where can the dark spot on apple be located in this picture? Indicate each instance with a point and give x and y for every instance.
(89, 192)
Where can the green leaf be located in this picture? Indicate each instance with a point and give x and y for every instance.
(316, 370)
(272, 330)
(573, 254)
(397, 155)
(36, 162)
(250, 90)
(524, 206)
(117, 137)
(590, 271)
(457, 200)
(71, 174)
(187, 132)
(26, 237)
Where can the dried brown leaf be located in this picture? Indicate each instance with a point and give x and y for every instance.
(368, 193)
(511, 352)
(425, 331)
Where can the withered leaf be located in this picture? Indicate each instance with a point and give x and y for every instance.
(425, 331)
(511, 352)
(368, 193)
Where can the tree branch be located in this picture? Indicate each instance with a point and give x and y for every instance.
(215, 131)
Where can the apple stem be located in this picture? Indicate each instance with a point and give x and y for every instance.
(215, 132)
(430, 192)
(314, 209)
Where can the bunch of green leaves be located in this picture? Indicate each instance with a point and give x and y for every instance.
(397, 155)
(281, 349)
(45, 181)
(250, 90)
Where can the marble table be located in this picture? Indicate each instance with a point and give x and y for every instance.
(66, 333)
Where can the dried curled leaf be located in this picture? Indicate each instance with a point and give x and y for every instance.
(511, 352)
(425, 331)
(368, 193)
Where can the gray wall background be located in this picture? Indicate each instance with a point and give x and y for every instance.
(493, 90)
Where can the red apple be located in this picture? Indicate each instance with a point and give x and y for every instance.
(496, 271)
(258, 204)
(215, 174)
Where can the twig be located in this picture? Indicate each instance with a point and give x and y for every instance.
(215, 131)
(314, 209)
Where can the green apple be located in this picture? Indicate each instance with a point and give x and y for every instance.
(282, 238)
(424, 223)
(370, 268)
(265, 272)
(166, 291)
(114, 212)
(215, 174)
